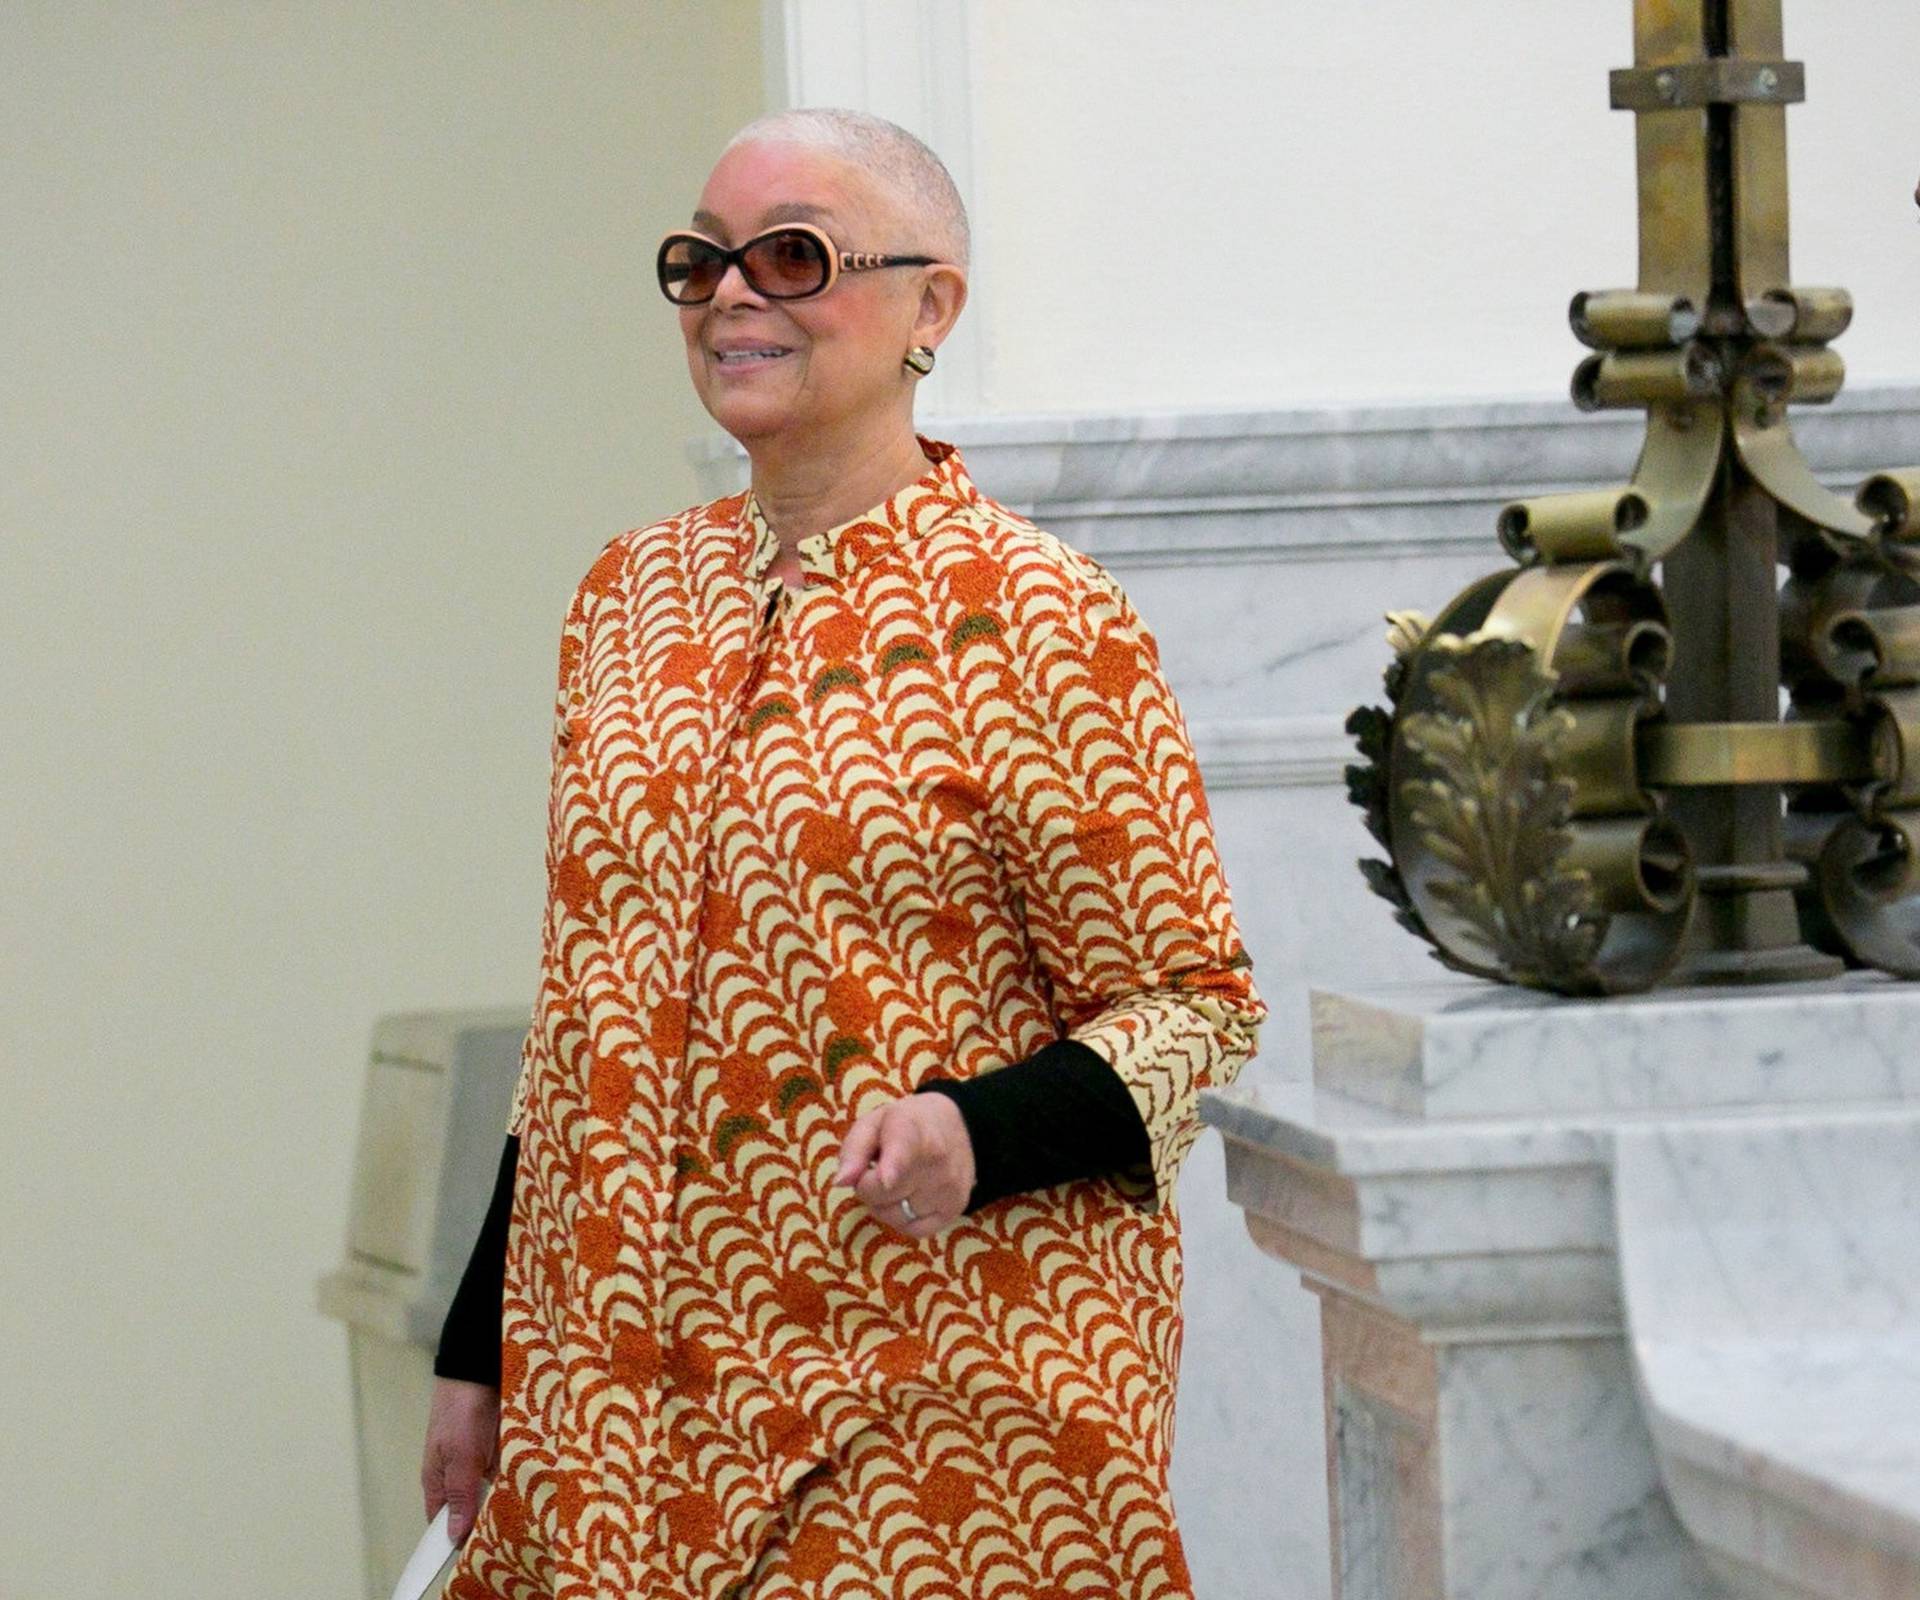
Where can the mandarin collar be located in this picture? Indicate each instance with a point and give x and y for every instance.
(829, 559)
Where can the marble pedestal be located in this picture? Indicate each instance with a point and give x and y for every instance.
(1583, 1268)
(432, 1118)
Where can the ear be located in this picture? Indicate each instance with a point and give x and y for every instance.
(942, 297)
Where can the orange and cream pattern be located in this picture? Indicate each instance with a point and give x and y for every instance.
(925, 815)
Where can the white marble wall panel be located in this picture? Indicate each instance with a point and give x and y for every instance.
(1549, 1488)
(1262, 548)
(1284, 638)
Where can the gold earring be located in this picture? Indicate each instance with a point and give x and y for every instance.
(920, 358)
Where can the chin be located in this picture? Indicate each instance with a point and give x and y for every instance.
(748, 416)
(748, 422)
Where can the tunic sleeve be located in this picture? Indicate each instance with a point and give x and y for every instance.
(1102, 825)
(566, 705)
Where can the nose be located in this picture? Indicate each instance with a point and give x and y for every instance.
(734, 290)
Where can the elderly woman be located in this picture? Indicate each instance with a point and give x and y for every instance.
(887, 949)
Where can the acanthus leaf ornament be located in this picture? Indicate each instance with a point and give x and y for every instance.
(1490, 813)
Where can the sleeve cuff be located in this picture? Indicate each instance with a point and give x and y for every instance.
(1062, 1114)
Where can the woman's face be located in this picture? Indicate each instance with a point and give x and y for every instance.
(790, 369)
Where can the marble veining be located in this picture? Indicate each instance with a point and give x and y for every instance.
(1772, 1283)
(1672, 1302)
(1554, 1492)
(1380, 455)
(1262, 546)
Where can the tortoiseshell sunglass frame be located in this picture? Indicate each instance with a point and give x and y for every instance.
(833, 261)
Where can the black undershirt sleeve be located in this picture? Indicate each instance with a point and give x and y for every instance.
(470, 1337)
(1061, 1114)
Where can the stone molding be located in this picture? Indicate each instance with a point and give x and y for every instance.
(1323, 488)
(912, 64)
(1645, 1254)
(1273, 752)
(1333, 483)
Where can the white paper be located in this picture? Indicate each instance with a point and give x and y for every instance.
(431, 1558)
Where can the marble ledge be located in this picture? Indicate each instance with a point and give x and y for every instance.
(1324, 1128)
(1470, 1233)
(1473, 1228)
(1094, 468)
(1463, 1048)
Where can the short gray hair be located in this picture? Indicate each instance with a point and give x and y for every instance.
(915, 178)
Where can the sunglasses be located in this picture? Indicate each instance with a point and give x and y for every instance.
(785, 263)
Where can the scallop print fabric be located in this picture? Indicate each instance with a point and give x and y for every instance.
(927, 814)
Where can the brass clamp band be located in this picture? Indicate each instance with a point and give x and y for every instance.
(1719, 81)
(1694, 755)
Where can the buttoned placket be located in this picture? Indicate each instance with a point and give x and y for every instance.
(772, 606)
(773, 602)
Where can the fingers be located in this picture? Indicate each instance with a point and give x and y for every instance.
(463, 1497)
(913, 1149)
(453, 1481)
(432, 1481)
(896, 1159)
(462, 1445)
(858, 1148)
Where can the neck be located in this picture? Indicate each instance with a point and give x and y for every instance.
(807, 491)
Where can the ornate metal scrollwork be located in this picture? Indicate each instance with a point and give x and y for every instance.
(1576, 792)
(1504, 783)
(1850, 621)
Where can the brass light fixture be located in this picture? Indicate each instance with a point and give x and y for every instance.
(1584, 781)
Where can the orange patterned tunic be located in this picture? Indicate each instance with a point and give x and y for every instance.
(925, 815)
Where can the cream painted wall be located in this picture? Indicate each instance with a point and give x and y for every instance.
(1272, 202)
(329, 356)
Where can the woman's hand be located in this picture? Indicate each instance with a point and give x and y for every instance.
(914, 1149)
(463, 1444)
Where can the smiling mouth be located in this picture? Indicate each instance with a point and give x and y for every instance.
(758, 357)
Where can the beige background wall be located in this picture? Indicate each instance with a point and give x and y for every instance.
(329, 355)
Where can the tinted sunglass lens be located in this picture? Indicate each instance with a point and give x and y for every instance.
(786, 264)
(690, 271)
